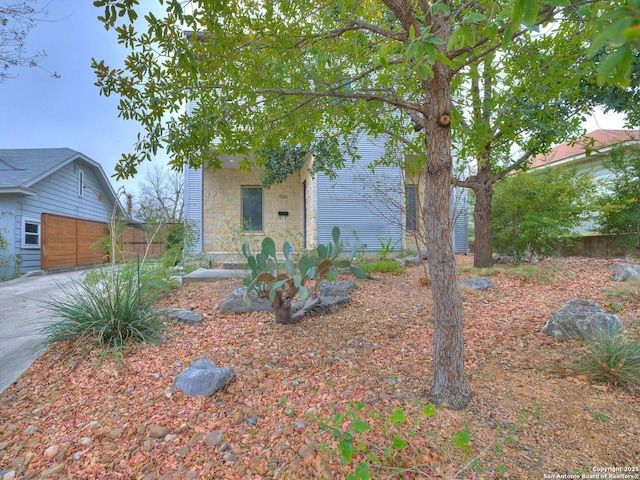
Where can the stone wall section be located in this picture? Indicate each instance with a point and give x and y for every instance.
(311, 205)
(222, 209)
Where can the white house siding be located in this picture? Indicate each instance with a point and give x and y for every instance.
(193, 204)
(362, 203)
(58, 194)
(460, 214)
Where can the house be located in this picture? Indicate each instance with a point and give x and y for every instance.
(55, 203)
(371, 207)
(585, 155)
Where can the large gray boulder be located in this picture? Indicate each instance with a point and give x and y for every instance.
(582, 318)
(625, 272)
(235, 302)
(203, 378)
(334, 296)
(478, 283)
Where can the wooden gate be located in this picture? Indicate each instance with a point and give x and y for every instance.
(67, 242)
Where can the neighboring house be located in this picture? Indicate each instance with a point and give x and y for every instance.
(585, 155)
(55, 203)
(371, 207)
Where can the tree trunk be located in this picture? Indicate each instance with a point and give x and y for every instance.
(483, 247)
(282, 306)
(448, 385)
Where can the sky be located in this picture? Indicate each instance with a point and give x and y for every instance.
(38, 111)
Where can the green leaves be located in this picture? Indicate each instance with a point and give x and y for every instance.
(268, 276)
(616, 36)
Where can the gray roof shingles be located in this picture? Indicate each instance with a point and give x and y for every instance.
(21, 167)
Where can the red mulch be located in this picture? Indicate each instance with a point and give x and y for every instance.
(530, 415)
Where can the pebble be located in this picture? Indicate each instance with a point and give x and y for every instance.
(50, 472)
(252, 420)
(230, 457)
(306, 451)
(52, 451)
(213, 439)
(237, 418)
(30, 430)
(157, 431)
(9, 475)
(86, 441)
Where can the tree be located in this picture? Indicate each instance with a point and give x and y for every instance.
(265, 74)
(160, 196)
(536, 211)
(17, 19)
(619, 208)
(514, 110)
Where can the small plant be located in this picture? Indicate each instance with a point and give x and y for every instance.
(601, 417)
(384, 266)
(625, 292)
(386, 248)
(210, 260)
(280, 282)
(612, 360)
(371, 445)
(108, 312)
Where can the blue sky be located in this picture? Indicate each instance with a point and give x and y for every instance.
(37, 111)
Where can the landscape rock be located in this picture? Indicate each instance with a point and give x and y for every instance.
(409, 261)
(334, 296)
(338, 289)
(478, 283)
(328, 305)
(181, 315)
(203, 378)
(580, 318)
(625, 272)
(235, 303)
(214, 438)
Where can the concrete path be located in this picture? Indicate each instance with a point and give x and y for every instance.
(212, 275)
(22, 313)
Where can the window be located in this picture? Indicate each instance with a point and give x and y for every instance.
(411, 206)
(252, 208)
(80, 183)
(30, 233)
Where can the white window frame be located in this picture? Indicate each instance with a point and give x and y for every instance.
(80, 183)
(34, 221)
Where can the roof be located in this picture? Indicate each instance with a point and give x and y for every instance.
(583, 146)
(21, 168)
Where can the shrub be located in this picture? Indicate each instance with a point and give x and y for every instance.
(534, 212)
(108, 311)
(384, 266)
(613, 360)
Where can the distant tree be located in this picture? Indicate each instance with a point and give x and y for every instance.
(533, 212)
(619, 208)
(17, 19)
(160, 196)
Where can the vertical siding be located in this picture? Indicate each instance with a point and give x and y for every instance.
(460, 214)
(362, 203)
(7, 229)
(193, 203)
(58, 194)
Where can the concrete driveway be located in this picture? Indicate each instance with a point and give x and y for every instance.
(21, 315)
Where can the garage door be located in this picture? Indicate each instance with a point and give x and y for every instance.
(67, 242)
